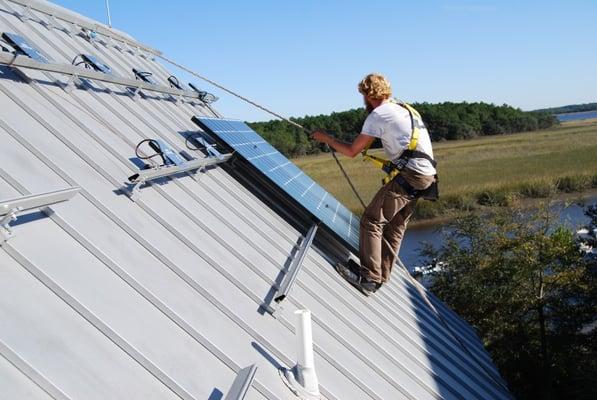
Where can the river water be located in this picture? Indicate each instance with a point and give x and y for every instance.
(576, 116)
(571, 216)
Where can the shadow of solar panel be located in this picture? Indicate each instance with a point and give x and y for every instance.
(285, 175)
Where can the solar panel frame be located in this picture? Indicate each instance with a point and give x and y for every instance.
(285, 175)
(23, 46)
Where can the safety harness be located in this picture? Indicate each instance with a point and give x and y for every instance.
(393, 167)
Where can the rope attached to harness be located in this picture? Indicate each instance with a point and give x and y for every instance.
(182, 67)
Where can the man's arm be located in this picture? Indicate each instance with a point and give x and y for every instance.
(348, 149)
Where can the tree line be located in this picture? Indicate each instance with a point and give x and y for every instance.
(445, 121)
(570, 108)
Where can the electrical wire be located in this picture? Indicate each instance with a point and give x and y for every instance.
(148, 157)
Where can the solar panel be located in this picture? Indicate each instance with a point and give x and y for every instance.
(22, 46)
(286, 175)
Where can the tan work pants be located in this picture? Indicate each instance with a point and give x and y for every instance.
(386, 217)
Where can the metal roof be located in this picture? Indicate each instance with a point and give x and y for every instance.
(105, 298)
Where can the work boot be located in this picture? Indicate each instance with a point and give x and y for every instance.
(366, 286)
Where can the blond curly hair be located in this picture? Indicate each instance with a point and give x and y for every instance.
(376, 86)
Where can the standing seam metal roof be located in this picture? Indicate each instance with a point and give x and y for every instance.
(102, 297)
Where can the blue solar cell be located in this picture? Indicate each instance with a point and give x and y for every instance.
(286, 175)
(22, 46)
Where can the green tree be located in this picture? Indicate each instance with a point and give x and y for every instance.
(445, 121)
(520, 280)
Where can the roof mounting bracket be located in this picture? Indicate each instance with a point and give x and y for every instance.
(71, 83)
(208, 147)
(204, 96)
(293, 270)
(72, 29)
(26, 15)
(5, 231)
(133, 188)
(89, 35)
(135, 92)
(211, 150)
(9, 209)
(51, 23)
(242, 383)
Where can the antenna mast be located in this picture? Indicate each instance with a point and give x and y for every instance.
(108, 12)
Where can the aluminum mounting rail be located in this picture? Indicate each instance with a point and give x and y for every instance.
(54, 12)
(9, 209)
(242, 383)
(151, 174)
(295, 267)
(77, 72)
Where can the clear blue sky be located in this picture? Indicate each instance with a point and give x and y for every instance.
(306, 56)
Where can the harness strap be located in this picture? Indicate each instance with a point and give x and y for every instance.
(393, 167)
(415, 124)
(418, 154)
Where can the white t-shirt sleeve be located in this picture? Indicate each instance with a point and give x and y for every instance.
(372, 126)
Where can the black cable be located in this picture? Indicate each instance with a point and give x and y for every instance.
(187, 140)
(157, 153)
(83, 61)
(174, 82)
(75, 59)
(354, 189)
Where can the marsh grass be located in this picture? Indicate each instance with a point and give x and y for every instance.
(483, 172)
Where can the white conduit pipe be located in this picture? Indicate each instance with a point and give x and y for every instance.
(302, 379)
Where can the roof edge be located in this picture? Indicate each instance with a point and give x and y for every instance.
(64, 14)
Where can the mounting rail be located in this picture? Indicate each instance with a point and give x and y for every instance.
(242, 383)
(9, 209)
(295, 267)
(148, 175)
(76, 72)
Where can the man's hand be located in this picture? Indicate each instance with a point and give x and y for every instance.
(348, 149)
(321, 137)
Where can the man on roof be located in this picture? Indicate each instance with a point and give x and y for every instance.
(407, 144)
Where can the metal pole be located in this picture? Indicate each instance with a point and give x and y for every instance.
(108, 12)
(305, 367)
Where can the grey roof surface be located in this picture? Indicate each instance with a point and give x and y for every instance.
(105, 298)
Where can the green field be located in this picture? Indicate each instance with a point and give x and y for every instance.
(482, 172)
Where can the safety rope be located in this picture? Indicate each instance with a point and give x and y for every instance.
(416, 284)
(182, 67)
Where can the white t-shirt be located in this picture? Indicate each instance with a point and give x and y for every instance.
(392, 124)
